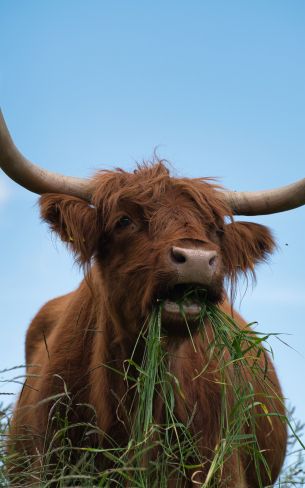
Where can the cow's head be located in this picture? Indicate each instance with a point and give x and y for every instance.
(152, 235)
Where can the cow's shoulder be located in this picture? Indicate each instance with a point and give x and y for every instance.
(43, 323)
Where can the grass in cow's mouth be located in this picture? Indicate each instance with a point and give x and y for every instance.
(186, 292)
(161, 446)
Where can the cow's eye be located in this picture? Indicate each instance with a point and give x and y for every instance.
(220, 232)
(123, 222)
(216, 232)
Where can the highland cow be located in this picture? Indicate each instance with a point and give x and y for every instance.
(142, 237)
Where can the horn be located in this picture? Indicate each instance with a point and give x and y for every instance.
(267, 201)
(31, 176)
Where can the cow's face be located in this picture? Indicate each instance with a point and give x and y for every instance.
(154, 237)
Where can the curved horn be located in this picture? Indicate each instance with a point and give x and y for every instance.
(267, 201)
(32, 177)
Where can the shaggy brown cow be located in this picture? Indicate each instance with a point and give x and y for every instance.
(143, 236)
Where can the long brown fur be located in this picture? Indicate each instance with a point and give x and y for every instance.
(77, 341)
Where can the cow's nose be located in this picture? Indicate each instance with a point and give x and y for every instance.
(194, 265)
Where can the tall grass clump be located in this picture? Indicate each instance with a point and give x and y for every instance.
(160, 447)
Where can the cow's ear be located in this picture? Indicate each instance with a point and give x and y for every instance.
(245, 244)
(74, 220)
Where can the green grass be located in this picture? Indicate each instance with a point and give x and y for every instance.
(160, 446)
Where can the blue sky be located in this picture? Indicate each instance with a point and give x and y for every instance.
(217, 86)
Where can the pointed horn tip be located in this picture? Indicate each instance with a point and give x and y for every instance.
(31, 176)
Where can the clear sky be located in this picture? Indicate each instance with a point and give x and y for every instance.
(217, 86)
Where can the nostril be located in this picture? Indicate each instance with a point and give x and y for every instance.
(212, 261)
(177, 256)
